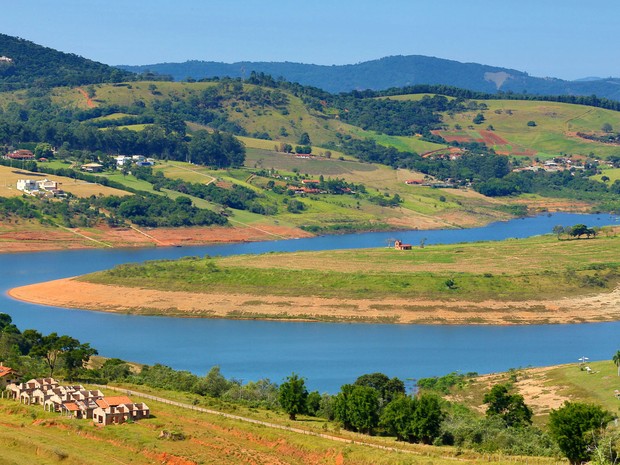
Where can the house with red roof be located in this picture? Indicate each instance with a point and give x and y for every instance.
(119, 409)
(7, 376)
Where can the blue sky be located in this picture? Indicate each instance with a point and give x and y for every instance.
(561, 38)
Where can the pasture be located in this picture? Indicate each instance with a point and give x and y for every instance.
(514, 270)
(9, 177)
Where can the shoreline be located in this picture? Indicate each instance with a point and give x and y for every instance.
(70, 293)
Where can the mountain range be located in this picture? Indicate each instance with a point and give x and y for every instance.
(393, 71)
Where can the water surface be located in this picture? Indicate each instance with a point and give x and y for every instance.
(327, 354)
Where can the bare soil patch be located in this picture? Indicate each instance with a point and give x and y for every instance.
(490, 138)
(18, 235)
(75, 294)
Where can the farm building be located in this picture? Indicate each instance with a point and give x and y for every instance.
(398, 245)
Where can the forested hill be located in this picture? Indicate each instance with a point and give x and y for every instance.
(24, 64)
(395, 71)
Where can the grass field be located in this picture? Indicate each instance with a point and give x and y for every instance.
(553, 134)
(612, 173)
(508, 270)
(9, 177)
(30, 435)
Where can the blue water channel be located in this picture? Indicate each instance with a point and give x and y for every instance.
(327, 354)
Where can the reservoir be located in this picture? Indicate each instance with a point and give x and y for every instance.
(326, 354)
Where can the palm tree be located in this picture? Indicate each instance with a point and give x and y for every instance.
(616, 360)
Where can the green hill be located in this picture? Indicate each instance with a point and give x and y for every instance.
(28, 65)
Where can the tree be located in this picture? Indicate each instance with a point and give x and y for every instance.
(415, 419)
(607, 128)
(577, 427)
(427, 418)
(215, 384)
(397, 416)
(304, 139)
(478, 119)
(616, 360)
(76, 355)
(558, 229)
(52, 347)
(509, 407)
(293, 396)
(357, 408)
(313, 403)
(216, 149)
(579, 230)
(387, 388)
(43, 150)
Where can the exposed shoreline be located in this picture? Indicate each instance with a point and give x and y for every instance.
(72, 293)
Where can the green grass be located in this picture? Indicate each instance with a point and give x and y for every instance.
(30, 435)
(553, 122)
(402, 143)
(612, 173)
(541, 267)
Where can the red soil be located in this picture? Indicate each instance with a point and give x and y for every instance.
(89, 101)
(490, 138)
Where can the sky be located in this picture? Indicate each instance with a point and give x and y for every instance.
(569, 39)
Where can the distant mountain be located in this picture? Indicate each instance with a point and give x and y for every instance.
(24, 64)
(394, 71)
(589, 78)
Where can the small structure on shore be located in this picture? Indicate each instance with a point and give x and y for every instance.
(398, 245)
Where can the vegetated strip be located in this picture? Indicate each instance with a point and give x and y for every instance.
(547, 275)
(262, 423)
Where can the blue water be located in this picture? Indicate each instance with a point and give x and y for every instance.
(328, 355)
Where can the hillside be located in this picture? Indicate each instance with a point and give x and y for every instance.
(394, 71)
(295, 160)
(28, 65)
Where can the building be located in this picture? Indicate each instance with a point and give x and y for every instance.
(20, 155)
(75, 401)
(119, 409)
(44, 187)
(7, 376)
(92, 167)
(398, 245)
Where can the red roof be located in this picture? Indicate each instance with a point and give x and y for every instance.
(71, 406)
(5, 371)
(113, 401)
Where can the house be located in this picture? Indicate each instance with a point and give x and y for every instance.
(24, 391)
(413, 181)
(28, 186)
(4, 59)
(122, 160)
(44, 187)
(398, 245)
(75, 401)
(7, 376)
(118, 409)
(20, 155)
(92, 167)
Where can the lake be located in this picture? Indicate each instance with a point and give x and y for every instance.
(327, 354)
